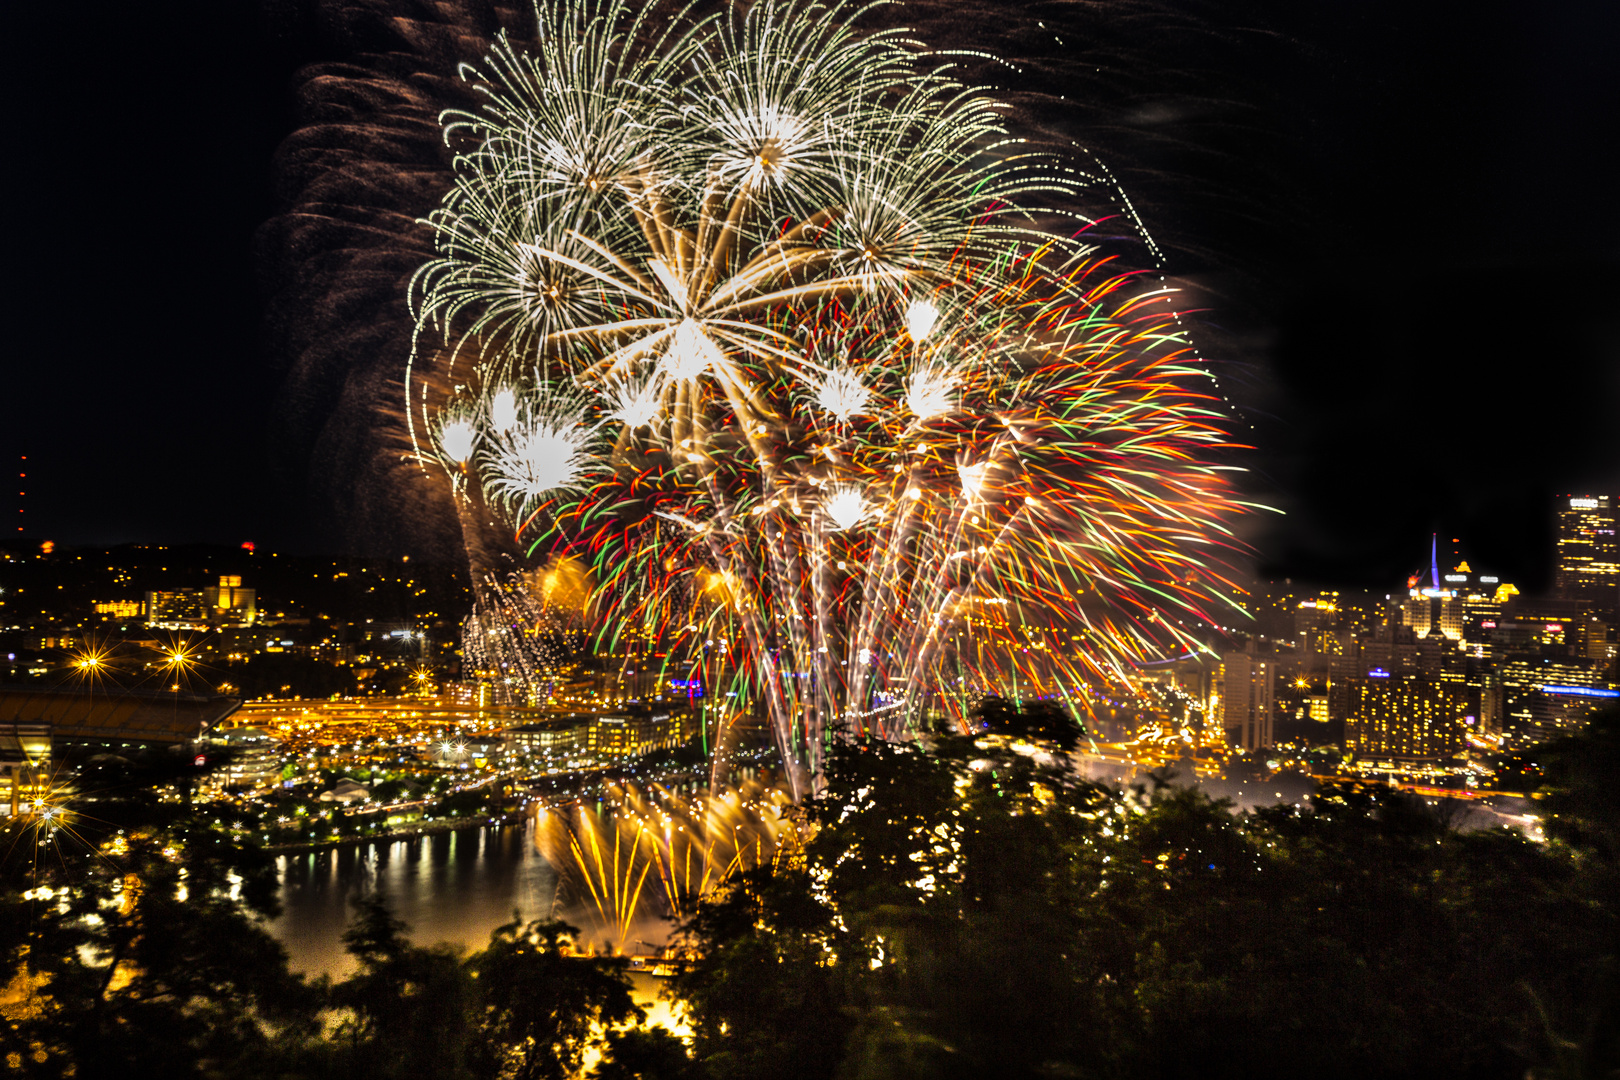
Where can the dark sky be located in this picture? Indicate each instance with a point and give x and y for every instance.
(1397, 219)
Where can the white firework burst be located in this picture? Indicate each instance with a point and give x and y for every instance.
(633, 402)
(921, 317)
(841, 392)
(540, 441)
(931, 391)
(503, 415)
(846, 507)
(456, 437)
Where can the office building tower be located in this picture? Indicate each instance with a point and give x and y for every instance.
(1247, 693)
(1588, 566)
(231, 605)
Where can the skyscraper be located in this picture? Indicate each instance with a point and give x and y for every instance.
(1248, 689)
(1588, 552)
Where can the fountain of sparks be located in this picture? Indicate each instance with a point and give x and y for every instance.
(773, 324)
(655, 852)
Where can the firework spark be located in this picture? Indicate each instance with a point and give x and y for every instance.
(1004, 476)
(658, 851)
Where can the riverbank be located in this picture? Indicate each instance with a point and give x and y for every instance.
(402, 832)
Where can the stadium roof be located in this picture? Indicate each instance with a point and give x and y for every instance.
(115, 716)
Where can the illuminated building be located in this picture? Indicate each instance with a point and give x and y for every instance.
(25, 748)
(65, 723)
(1319, 613)
(1247, 689)
(1436, 608)
(229, 604)
(1406, 716)
(255, 761)
(605, 735)
(1392, 647)
(176, 609)
(1546, 696)
(224, 605)
(1593, 639)
(120, 609)
(564, 737)
(626, 735)
(1588, 566)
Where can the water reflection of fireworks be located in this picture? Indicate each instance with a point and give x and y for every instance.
(683, 845)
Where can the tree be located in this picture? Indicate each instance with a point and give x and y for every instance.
(537, 1007)
(143, 943)
(646, 1054)
(407, 1010)
(1037, 722)
(1581, 814)
(969, 908)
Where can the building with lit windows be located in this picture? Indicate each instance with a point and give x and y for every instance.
(1588, 567)
(1435, 607)
(1246, 689)
(176, 609)
(562, 738)
(1547, 696)
(1406, 716)
(229, 604)
(224, 605)
(605, 736)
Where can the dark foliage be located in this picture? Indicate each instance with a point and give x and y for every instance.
(968, 910)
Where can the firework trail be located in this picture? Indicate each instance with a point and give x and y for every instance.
(762, 318)
(777, 326)
(524, 627)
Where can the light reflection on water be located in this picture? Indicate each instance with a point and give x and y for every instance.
(454, 886)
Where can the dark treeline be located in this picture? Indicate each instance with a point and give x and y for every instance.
(965, 908)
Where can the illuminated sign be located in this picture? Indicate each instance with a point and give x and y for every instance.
(1378, 673)
(1488, 624)
(1456, 577)
(1488, 580)
(1580, 691)
(1555, 628)
(1583, 504)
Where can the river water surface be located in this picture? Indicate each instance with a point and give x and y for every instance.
(453, 886)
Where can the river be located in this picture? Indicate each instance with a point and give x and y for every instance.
(451, 886)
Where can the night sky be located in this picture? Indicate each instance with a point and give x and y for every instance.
(1397, 221)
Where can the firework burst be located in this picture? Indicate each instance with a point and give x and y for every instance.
(807, 370)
